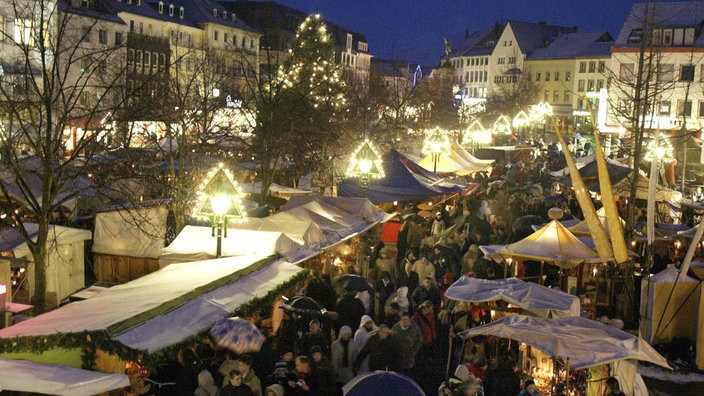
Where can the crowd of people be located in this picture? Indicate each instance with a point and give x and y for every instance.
(404, 324)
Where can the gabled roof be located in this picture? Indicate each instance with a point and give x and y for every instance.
(531, 36)
(481, 42)
(199, 12)
(573, 45)
(686, 13)
(270, 18)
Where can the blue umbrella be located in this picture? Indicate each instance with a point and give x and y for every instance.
(381, 383)
(237, 335)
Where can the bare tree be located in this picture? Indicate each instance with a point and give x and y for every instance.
(51, 104)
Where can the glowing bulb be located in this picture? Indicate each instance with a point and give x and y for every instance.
(365, 165)
(220, 203)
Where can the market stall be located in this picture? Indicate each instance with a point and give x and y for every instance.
(557, 352)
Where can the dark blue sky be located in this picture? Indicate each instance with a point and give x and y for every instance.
(414, 29)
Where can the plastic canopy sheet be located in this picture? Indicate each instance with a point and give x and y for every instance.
(117, 232)
(354, 206)
(198, 314)
(585, 342)
(460, 152)
(148, 296)
(10, 239)
(447, 163)
(553, 244)
(404, 180)
(303, 232)
(53, 379)
(256, 188)
(531, 297)
(195, 243)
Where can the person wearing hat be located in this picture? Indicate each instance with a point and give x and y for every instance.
(314, 336)
(529, 389)
(281, 376)
(384, 288)
(366, 327)
(453, 385)
(343, 354)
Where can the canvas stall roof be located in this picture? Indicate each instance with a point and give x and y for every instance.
(361, 207)
(458, 150)
(138, 300)
(256, 188)
(10, 239)
(450, 163)
(531, 297)
(582, 229)
(589, 172)
(137, 232)
(670, 275)
(662, 194)
(200, 313)
(553, 244)
(195, 243)
(585, 342)
(54, 379)
(404, 180)
(303, 232)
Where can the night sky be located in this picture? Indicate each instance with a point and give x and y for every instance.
(413, 30)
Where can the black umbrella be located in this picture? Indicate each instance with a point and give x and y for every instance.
(353, 282)
(303, 305)
(525, 222)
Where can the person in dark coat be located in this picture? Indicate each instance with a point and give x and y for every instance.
(502, 380)
(324, 371)
(407, 277)
(382, 349)
(235, 387)
(349, 311)
(427, 291)
(384, 288)
(315, 336)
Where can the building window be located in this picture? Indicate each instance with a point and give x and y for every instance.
(602, 66)
(667, 72)
(181, 12)
(568, 76)
(215, 12)
(626, 72)
(590, 86)
(118, 38)
(547, 96)
(582, 67)
(547, 76)
(511, 60)
(556, 96)
(537, 76)
(557, 76)
(102, 36)
(687, 73)
(161, 7)
(599, 85)
(131, 26)
(567, 96)
(215, 35)
(684, 109)
(501, 61)
(171, 10)
(664, 109)
(149, 29)
(85, 37)
(701, 109)
(251, 43)
(592, 67)
(580, 86)
(225, 38)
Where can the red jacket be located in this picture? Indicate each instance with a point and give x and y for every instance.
(426, 322)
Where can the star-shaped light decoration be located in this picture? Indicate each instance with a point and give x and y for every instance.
(219, 198)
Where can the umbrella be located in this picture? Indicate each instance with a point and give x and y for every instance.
(353, 282)
(237, 335)
(381, 383)
(303, 305)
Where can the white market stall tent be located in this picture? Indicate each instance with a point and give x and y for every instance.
(669, 301)
(65, 258)
(586, 343)
(195, 243)
(54, 379)
(532, 298)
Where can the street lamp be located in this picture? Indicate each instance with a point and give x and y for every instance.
(539, 112)
(501, 127)
(219, 201)
(520, 122)
(477, 134)
(365, 163)
(436, 143)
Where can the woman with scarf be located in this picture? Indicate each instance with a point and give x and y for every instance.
(343, 355)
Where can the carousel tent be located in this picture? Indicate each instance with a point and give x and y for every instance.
(662, 194)
(584, 341)
(668, 302)
(531, 297)
(582, 229)
(553, 244)
(196, 243)
(589, 172)
(404, 180)
(66, 266)
(54, 379)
